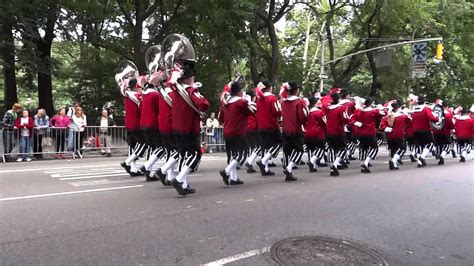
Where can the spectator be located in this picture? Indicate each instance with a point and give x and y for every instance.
(104, 122)
(25, 125)
(60, 122)
(211, 124)
(70, 113)
(41, 124)
(79, 123)
(8, 124)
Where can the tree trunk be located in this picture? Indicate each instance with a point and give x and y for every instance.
(273, 69)
(8, 53)
(253, 56)
(45, 86)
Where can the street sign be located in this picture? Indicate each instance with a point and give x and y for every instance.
(419, 52)
(419, 71)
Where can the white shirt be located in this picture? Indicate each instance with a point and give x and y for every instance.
(24, 131)
(79, 123)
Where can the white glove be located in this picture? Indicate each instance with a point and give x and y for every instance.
(175, 76)
(156, 78)
(388, 129)
(260, 85)
(358, 124)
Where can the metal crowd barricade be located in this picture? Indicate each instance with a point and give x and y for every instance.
(105, 140)
(213, 139)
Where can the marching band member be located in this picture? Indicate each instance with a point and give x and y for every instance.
(394, 125)
(314, 134)
(464, 128)
(235, 114)
(136, 146)
(253, 136)
(269, 110)
(150, 129)
(351, 142)
(366, 120)
(442, 137)
(336, 117)
(186, 124)
(294, 113)
(421, 118)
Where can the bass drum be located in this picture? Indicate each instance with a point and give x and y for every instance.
(438, 111)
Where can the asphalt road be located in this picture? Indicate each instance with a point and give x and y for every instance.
(88, 212)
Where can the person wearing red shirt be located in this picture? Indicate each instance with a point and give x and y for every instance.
(366, 120)
(464, 128)
(442, 137)
(269, 111)
(186, 123)
(136, 146)
(314, 133)
(394, 125)
(351, 140)
(235, 114)
(421, 118)
(253, 136)
(336, 117)
(410, 139)
(294, 114)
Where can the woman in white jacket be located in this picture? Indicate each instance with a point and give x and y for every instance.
(79, 123)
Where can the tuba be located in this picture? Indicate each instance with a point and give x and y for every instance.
(154, 63)
(125, 70)
(438, 111)
(176, 51)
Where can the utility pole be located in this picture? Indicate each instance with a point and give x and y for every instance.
(321, 70)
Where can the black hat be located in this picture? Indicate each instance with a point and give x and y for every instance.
(235, 88)
(250, 93)
(368, 102)
(335, 98)
(312, 100)
(187, 72)
(344, 92)
(421, 99)
(293, 86)
(444, 103)
(395, 106)
(267, 83)
(132, 83)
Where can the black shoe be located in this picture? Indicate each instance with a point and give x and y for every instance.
(311, 168)
(412, 158)
(135, 174)
(340, 167)
(463, 159)
(261, 166)
(441, 160)
(423, 161)
(162, 177)
(347, 162)
(126, 167)
(334, 171)
(225, 177)
(453, 153)
(400, 161)
(289, 176)
(250, 169)
(272, 164)
(352, 158)
(364, 169)
(392, 166)
(238, 167)
(178, 186)
(369, 165)
(268, 173)
(295, 167)
(237, 182)
(189, 190)
(145, 172)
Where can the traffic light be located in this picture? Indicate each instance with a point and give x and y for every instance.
(439, 51)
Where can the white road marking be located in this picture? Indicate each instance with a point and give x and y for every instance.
(102, 182)
(93, 176)
(55, 168)
(118, 171)
(67, 193)
(237, 257)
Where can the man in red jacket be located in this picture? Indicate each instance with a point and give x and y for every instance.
(150, 129)
(336, 117)
(394, 125)
(253, 136)
(464, 128)
(442, 137)
(136, 147)
(269, 110)
(421, 118)
(351, 141)
(366, 120)
(314, 133)
(294, 114)
(235, 114)
(186, 122)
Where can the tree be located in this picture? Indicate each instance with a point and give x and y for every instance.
(7, 48)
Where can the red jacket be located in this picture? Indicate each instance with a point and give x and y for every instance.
(350, 106)
(184, 119)
(421, 118)
(400, 124)
(336, 117)
(269, 110)
(29, 126)
(448, 125)
(252, 123)
(315, 125)
(326, 101)
(235, 115)
(294, 115)
(132, 111)
(149, 110)
(164, 116)
(368, 117)
(464, 127)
